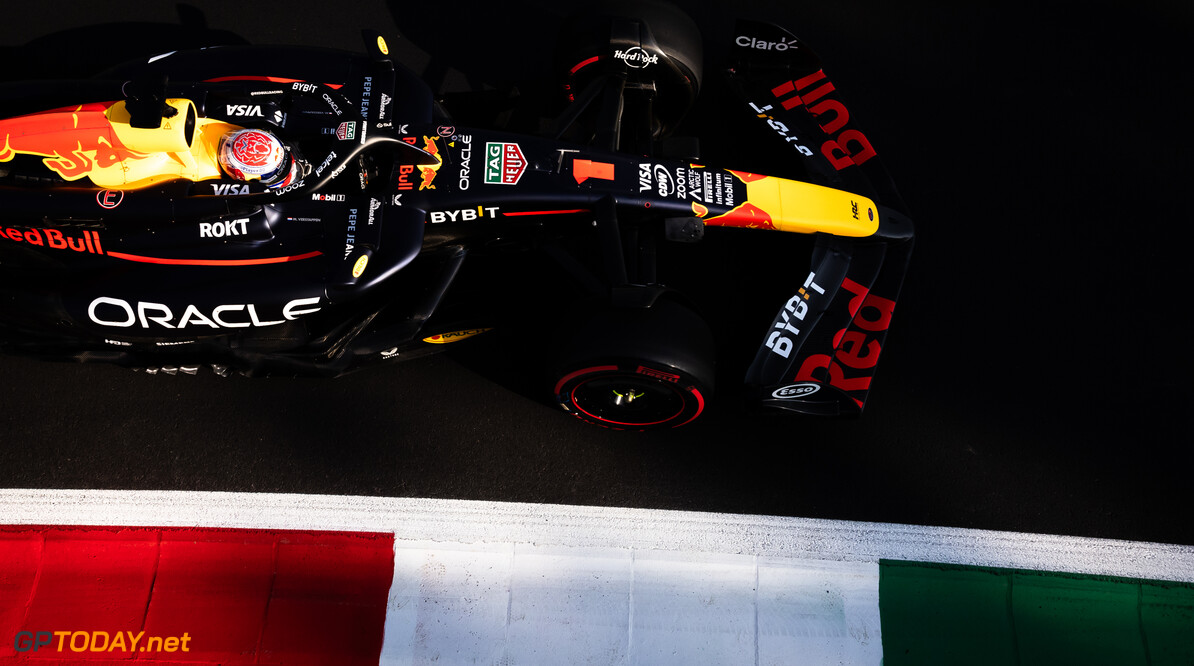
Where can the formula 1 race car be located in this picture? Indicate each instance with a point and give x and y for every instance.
(285, 210)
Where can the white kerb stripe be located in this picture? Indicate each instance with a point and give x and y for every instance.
(465, 522)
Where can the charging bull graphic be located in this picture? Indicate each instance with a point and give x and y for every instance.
(428, 173)
(74, 141)
(97, 141)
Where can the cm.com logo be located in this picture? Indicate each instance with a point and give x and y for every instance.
(99, 641)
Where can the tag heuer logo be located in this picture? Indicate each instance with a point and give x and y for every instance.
(346, 131)
(504, 163)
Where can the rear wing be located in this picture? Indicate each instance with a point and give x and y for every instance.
(820, 353)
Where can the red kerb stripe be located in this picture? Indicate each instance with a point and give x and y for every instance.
(239, 596)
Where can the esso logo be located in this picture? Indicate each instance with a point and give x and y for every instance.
(795, 391)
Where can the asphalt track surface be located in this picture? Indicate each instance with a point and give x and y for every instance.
(1036, 375)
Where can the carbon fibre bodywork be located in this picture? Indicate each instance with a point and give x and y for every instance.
(356, 262)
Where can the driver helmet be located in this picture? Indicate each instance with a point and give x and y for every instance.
(251, 154)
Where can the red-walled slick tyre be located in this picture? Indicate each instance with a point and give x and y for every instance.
(638, 369)
(631, 396)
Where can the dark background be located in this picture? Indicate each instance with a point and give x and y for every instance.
(1036, 375)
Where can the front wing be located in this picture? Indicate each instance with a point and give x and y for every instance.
(820, 353)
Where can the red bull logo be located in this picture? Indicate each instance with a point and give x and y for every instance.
(405, 181)
(850, 147)
(88, 242)
(428, 172)
(97, 141)
(746, 215)
(74, 141)
(428, 175)
(430, 145)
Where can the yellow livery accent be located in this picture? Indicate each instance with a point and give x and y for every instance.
(170, 153)
(359, 266)
(171, 136)
(454, 336)
(789, 205)
(96, 141)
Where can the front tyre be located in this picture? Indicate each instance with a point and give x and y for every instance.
(637, 368)
(631, 396)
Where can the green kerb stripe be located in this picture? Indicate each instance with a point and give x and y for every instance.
(953, 614)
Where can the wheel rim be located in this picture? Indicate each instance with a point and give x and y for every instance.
(634, 400)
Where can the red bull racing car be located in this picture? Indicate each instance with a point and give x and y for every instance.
(283, 210)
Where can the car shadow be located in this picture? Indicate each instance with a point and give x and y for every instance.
(83, 52)
(494, 51)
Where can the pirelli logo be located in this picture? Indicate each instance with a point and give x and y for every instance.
(658, 374)
(504, 163)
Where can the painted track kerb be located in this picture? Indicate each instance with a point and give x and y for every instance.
(469, 522)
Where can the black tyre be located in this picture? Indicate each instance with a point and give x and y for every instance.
(638, 369)
(651, 43)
